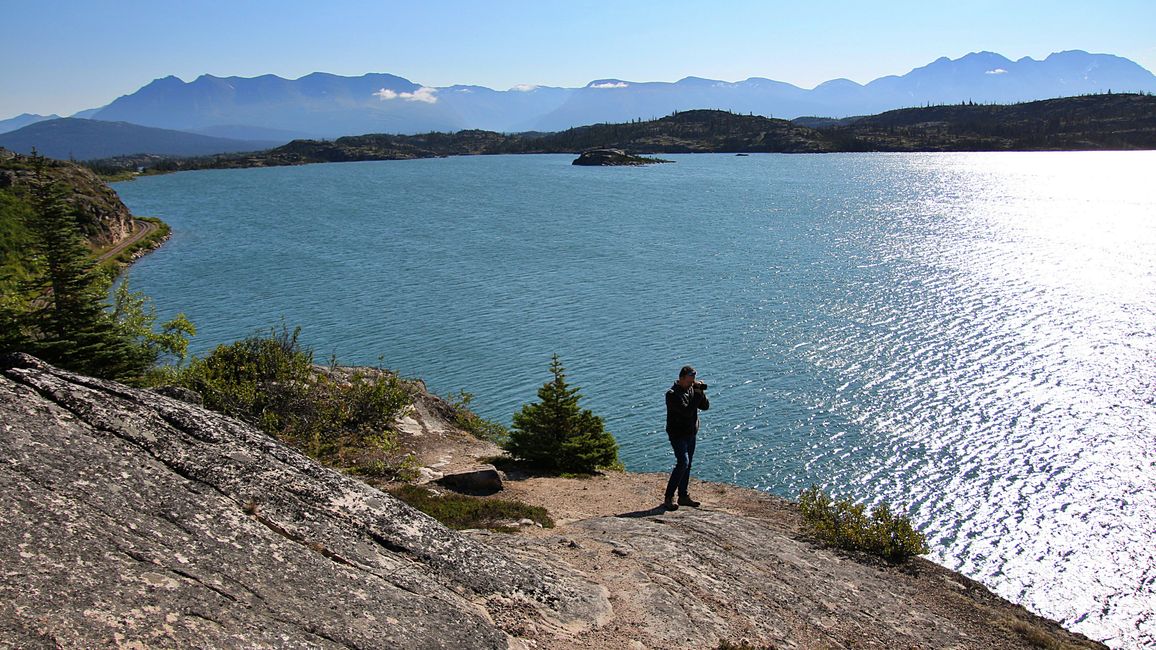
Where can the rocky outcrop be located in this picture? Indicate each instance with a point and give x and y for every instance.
(613, 158)
(102, 216)
(742, 567)
(131, 518)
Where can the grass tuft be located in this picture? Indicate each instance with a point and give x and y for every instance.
(474, 424)
(460, 512)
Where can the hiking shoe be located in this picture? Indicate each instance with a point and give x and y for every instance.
(670, 505)
(688, 502)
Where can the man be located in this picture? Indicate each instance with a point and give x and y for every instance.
(683, 402)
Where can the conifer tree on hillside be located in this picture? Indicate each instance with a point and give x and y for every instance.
(554, 434)
(66, 321)
(60, 314)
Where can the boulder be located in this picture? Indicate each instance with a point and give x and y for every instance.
(484, 479)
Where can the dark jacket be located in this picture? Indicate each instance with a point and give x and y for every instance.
(682, 407)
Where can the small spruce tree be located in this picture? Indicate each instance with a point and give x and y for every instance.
(554, 434)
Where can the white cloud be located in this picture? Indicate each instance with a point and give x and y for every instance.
(525, 88)
(611, 84)
(996, 71)
(423, 94)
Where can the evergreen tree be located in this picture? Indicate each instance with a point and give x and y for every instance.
(555, 434)
(60, 314)
(65, 322)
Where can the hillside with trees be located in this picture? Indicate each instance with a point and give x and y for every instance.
(101, 217)
(1094, 122)
(69, 138)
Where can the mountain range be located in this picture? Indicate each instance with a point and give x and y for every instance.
(1088, 122)
(321, 105)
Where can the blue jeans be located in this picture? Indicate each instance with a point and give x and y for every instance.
(680, 475)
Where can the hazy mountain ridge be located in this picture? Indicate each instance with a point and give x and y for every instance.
(322, 105)
(23, 120)
(73, 138)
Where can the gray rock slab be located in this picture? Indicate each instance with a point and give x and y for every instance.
(131, 518)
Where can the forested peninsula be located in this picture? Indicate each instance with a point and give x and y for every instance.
(1093, 122)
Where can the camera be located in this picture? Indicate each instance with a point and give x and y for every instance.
(701, 385)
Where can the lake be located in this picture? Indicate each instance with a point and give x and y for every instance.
(970, 337)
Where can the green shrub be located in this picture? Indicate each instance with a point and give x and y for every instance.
(847, 525)
(272, 383)
(459, 511)
(474, 424)
(554, 434)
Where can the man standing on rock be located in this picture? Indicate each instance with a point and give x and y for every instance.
(683, 402)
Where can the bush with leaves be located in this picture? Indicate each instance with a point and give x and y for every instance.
(272, 383)
(474, 424)
(135, 317)
(847, 525)
(554, 434)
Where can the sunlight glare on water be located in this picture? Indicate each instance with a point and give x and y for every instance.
(1014, 387)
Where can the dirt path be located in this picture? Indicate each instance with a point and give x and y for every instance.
(140, 230)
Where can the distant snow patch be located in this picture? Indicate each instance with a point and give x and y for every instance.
(525, 88)
(996, 71)
(423, 94)
(611, 84)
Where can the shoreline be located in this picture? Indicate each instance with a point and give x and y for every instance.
(149, 234)
(612, 530)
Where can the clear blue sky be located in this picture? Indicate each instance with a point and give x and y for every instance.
(61, 56)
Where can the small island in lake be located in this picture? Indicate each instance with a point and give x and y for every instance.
(613, 158)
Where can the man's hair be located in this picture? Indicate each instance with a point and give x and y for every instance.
(686, 370)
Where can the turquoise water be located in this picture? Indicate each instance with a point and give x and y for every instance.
(970, 337)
